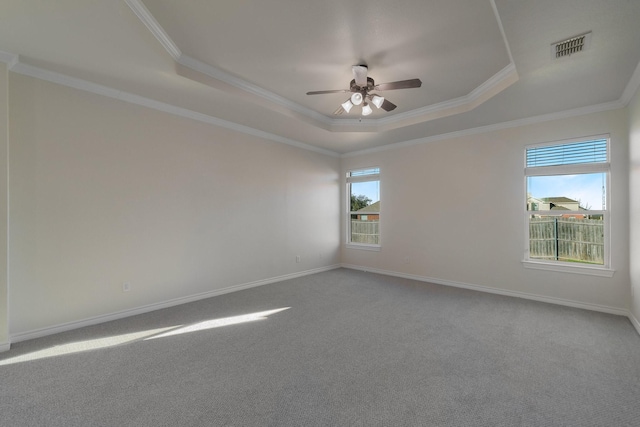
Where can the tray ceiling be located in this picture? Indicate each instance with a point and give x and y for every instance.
(248, 64)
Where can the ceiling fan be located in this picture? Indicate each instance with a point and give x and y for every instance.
(362, 86)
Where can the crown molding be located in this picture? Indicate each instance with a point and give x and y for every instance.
(614, 105)
(84, 85)
(15, 65)
(207, 74)
(143, 14)
(7, 58)
(632, 87)
(494, 85)
(501, 27)
(196, 70)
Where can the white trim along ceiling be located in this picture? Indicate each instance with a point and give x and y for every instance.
(247, 66)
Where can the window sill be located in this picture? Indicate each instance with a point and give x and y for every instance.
(374, 248)
(565, 268)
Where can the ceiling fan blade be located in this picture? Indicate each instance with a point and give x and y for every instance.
(388, 106)
(322, 92)
(402, 84)
(360, 74)
(339, 111)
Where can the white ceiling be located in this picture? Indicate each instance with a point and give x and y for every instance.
(248, 64)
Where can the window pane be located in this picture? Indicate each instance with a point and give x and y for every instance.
(568, 154)
(362, 172)
(364, 209)
(567, 239)
(365, 195)
(581, 192)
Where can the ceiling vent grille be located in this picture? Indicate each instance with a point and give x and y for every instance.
(570, 46)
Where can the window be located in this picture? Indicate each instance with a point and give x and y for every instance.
(363, 217)
(567, 186)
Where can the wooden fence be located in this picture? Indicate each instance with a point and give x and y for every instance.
(365, 232)
(567, 239)
(553, 238)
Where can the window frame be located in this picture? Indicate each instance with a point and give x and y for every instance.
(603, 270)
(354, 179)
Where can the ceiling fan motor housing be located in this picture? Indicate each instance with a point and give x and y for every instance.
(355, 88)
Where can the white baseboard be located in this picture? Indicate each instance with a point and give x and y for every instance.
(5, 346)
(517, 294)
(38, 333)
(183, 300)
(634, 322)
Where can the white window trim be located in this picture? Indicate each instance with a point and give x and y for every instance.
(363, 246)
(360, 178)
(604, 270)
(561, 267)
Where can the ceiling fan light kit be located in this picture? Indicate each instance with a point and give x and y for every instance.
(377, 100)
(347, 105)
(360, 87)
(356, 98)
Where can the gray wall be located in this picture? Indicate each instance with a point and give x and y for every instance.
(634, 197)
(4, 112)
(105, 192)
(452, 212)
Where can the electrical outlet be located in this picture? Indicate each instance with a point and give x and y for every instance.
(126, 287)
(297, 258)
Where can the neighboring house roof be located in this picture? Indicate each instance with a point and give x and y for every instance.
(560, 208)
(372, 208)
(558, 200)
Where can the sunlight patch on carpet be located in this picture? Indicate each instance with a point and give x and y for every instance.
(101, 343)
(80, 346)
(217, 323)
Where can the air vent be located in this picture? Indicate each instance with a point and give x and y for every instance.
(570, 46)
